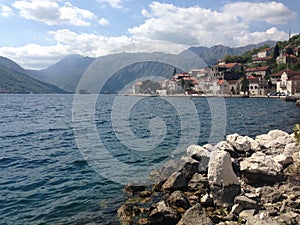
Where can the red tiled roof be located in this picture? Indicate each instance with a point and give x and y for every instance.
(253, 79)
(291, 56)
(220, 82)
(261, 68)
(266, 49)
(228, 65)
(232, 81)
(262, 59)
(289, 72)
(295, 77)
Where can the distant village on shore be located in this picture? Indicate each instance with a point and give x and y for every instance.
(266, 71)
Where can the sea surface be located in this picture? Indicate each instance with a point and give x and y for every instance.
(65, 163)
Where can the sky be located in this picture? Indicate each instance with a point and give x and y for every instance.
(38, 33)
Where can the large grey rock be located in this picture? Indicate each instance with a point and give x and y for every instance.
(125, 214)
(242, 144)
(195, 216)
(225, 146)
(207, 201)
(246, 203)
(131, 188)
(209, 147)
(274, 140)
(162, 214)
(200, 154)
(264, 140)
(261, 220)
(198, 183)
(223, 182)
(284, 160)
(220, 172)
(168, 168)
(261, 168)
(290, 149)
(280, 135)
(188, 167)
(178, 199)
(176, 181)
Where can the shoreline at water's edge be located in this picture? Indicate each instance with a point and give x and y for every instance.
(238, 181)
(208, 95)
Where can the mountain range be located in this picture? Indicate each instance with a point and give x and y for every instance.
(14, 80)
(64, 76)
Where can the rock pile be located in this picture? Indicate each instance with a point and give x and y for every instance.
(238, 181)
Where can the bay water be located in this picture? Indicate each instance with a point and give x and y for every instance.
(47, 171)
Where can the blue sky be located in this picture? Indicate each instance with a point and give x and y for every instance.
(38, 33)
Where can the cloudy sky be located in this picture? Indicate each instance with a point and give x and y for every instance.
(38, 33)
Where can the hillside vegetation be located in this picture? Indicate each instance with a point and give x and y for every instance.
(14, 82)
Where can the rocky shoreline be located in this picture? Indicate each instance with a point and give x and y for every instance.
(238, 181)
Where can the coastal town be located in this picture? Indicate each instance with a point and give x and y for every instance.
(263, 72)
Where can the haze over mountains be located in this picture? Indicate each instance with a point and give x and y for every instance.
(66, 73)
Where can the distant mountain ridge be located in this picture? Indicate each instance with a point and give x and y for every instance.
(213, 54)
(67, 73)
(13, 80)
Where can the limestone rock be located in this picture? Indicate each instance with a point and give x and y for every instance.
(274, 140)
(178, 199)
(162, 214)
(290, 218)
(125, 214)
(220, 172)
(209, 147)
(284, 160)
(246, 203)
(168, 168)
(225, 146)
(132, 188)
(247, 214)
(188, 167)
(291, 148)
(176, 181)
(195, 216)
(242, 144)
(200, 154)
(198, 183)
(260, 168)
(207, 201)
(223, 182)
(261, 220)
(279, 134)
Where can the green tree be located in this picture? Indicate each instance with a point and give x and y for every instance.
(149, 87)
(276, 51)
(245, 85)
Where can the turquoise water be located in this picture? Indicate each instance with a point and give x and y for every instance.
(44, 175)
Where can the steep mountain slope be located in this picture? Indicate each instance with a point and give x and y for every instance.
(113, 72)
(215, 53)
(66, 73)
(11, 65)
(15, 82)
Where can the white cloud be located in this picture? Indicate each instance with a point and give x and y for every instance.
(270, 12)
(51, 13)
(273, 34)
(199, 26)
(103, 22)
(35, 56)
(163, 22)
(113, 3)
(6, 11)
